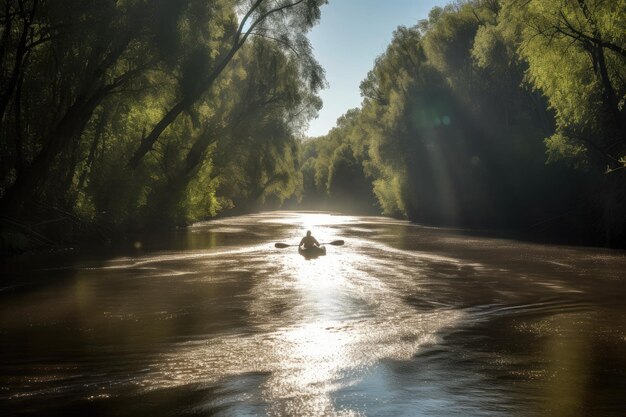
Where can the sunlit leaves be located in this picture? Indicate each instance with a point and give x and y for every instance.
(489, 48)
(448, 125)
(112, 71)
(560, 146)
(388, 191)
(572, 49)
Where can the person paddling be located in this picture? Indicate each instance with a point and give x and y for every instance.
(309, 241)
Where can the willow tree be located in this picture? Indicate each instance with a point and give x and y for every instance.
(335, 167)
(284, 21)
(67, 57)
(114, 111)
(67, 66)
(96, 49)
(576, 54)
(247, 129)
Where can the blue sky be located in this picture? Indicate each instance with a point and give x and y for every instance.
(351, 34)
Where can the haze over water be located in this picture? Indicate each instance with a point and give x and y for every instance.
(401, 320)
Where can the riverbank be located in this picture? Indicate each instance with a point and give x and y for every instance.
(69, 232)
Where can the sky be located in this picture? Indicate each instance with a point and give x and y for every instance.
(351, 34)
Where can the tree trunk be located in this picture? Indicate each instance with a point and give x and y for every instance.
(20, 53)
(27, 185)
(8, 21)
(610, 97)
(92, 151)
(148, 142)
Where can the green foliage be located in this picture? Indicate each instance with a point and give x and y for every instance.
(133, 113)
(457, 110)
(201, 195)
(389, 194)
(137, 113)
(576, 58)
(334, 168)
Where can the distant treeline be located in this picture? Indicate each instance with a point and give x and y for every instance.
(499, 114)
(119, 116)
(124, 115)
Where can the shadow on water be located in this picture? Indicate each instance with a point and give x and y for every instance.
(402, 320)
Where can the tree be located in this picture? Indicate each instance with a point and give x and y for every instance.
(262, 18)
(82, 80)
(86, 52)
(584, 41)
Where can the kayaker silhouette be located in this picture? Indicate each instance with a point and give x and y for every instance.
(309, 241)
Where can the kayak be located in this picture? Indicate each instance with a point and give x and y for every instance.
(313, 252)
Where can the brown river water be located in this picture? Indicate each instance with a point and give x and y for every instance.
(402, 320)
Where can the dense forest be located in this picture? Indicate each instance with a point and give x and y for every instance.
(491, 114)
(119, 116)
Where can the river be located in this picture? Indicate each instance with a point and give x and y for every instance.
(401, 320)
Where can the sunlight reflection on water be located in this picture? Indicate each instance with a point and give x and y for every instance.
(341, 319)
(401, 320)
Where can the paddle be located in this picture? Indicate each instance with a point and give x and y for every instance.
(334, 243)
